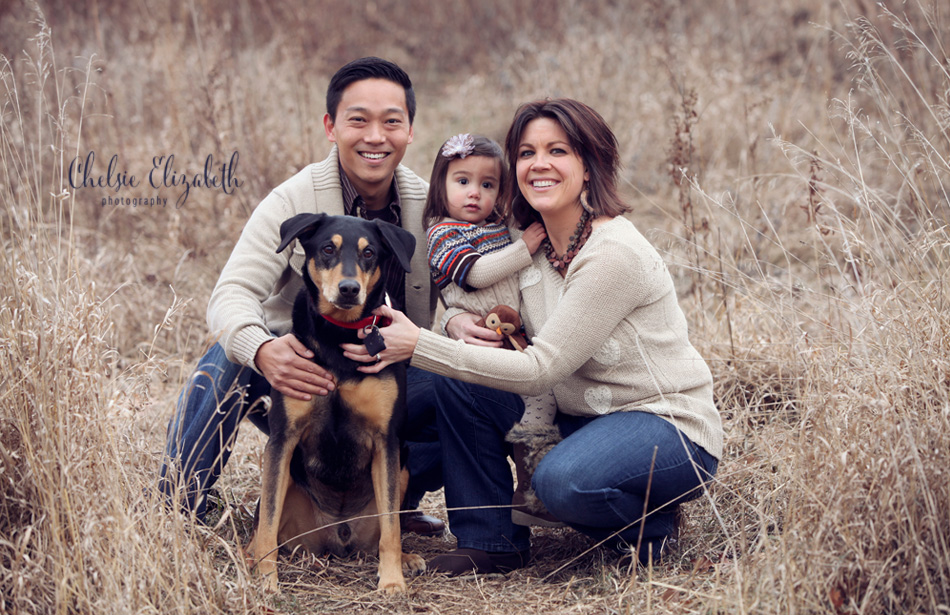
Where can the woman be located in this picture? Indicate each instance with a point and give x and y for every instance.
(635, 405)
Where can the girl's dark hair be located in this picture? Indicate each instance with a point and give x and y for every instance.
(437, 201)
(369, 68)
(589, 136)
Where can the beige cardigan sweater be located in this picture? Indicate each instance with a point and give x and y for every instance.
(255, 293)
(609, 337)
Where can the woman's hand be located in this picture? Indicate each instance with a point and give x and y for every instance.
(400, 338)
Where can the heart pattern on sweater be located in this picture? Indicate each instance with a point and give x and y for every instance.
(609, 353)
(529, 276)
(599, 399)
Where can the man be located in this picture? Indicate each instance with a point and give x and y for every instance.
(370, 109)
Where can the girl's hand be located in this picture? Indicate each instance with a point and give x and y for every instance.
(400, 337)
(533, 236)
(462, 327)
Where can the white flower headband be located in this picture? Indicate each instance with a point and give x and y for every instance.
(460, 145)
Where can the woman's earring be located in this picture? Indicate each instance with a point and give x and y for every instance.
(584, 202)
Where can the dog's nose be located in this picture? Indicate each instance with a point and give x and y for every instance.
(349, 289)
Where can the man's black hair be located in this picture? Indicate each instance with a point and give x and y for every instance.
(369, 68)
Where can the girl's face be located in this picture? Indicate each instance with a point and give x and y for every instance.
(471, 187)
(550, 172)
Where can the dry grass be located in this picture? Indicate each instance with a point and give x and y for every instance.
(790, 160)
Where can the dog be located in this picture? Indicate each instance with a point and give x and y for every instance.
(332, 478)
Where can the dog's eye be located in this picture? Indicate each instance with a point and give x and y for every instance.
(368, 253)
(328, 250)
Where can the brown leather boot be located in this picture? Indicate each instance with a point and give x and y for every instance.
(529, 445)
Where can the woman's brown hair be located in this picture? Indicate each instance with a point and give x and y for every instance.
(589, 135)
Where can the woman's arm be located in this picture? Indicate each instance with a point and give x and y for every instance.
(600, 292)
(494, 267)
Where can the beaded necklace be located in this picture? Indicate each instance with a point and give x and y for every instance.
(578, 239)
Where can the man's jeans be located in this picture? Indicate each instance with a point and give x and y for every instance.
(596, 480)
(202, 432)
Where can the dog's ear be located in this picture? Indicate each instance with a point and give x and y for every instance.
(301, 225)
(399, 241)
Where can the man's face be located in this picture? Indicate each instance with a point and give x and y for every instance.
(372, 131)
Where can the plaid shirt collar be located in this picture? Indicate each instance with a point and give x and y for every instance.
(354, 205)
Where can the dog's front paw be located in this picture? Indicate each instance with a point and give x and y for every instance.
(392, 586)
(265, 568)
(270, 583)
(413, 564)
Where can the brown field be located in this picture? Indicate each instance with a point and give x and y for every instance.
(790, 160)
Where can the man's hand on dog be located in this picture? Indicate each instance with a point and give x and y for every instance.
(287, 365)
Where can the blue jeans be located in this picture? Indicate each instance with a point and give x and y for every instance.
(202, 432)
(595, 480)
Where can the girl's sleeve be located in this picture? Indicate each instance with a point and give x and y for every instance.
(494, 267)
(450, 255)
(452, 258)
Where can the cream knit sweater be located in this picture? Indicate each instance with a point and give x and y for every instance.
(609, 337)
(255, 293)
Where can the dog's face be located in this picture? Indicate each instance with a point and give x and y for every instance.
(343, 255)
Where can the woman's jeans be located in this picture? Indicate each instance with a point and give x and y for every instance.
(596, 480)
(202, 432)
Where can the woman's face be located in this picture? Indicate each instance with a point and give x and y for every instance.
(550, 173)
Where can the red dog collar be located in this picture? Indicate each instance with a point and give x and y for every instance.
(369, 321)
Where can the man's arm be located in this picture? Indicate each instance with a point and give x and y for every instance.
(236, 308)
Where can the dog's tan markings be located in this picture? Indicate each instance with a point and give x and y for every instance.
(328, 280)
(412, 563)
(274, 481)
(350, 315)
(367, 278)
(372, 399)
(370, 279)
(297, 409)
(391, 579)
(316, 274)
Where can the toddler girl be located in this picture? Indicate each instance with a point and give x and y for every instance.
(475, 264)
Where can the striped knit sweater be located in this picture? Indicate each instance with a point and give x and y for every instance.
(475, 266)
